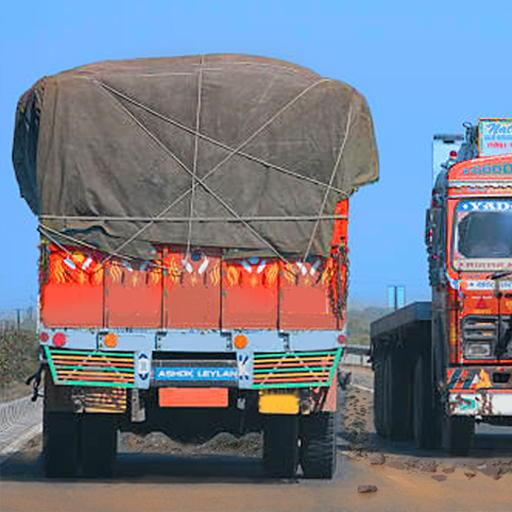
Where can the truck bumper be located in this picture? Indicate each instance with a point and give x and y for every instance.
(481, 403)
(480, 390)
(270, 360)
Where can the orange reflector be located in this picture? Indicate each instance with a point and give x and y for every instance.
(240, 341)
(193, 397)
(110, 340)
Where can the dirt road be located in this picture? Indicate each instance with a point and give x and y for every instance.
(154, 474)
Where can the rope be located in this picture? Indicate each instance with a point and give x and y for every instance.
(196, 150)
(201, 181)
(333, 174)
(295, 218)
(77, 241)
(216, 142)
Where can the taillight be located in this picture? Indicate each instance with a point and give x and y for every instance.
(341, 339)
(44, 337)
(240, 341)
(59, 339)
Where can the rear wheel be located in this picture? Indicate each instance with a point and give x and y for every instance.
(396, 396)
(99, 444)
(60, 444)
(424, 414)
(281, 445)
(458, 433)
(318, 445)
(378, 409)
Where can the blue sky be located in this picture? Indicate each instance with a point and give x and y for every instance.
(424, 67)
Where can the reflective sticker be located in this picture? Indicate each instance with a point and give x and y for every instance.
(203, 266)
(314, 267)
(143, 367)
(302, 267)
(247, 266)
(70, 264)
(188, 266)
(243, 366)
(253, 260)
(261, 267)
(87, 262)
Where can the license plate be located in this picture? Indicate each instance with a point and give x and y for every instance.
(195, 374)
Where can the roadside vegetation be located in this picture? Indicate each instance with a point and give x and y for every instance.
(358, 323)
(18, 360)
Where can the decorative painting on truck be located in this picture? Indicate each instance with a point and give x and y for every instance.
(495, 137)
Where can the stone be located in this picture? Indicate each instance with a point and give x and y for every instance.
(439, 478)
(428, 466)
(470, 473)
(364, 489)
(396, 464)
(377, 459)
(449, 470)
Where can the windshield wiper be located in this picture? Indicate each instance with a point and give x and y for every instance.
(500, 274)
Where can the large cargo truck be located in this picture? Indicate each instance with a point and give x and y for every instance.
(444, 365)
(193, 215)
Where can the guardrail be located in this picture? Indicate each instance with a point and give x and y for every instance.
(356, 355)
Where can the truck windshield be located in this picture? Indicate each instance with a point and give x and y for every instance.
(482, 235)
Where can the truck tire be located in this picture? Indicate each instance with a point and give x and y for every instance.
(318, 445)
(378, 406)
(60, 444)
(424, 413)
(281, 445)
(458, 434)
(99, 444)
(396, 397)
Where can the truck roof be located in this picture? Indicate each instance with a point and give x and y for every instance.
(403, 317)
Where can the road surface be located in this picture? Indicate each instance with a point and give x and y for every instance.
(177, 480)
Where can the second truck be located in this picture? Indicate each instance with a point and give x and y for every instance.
(442, 366)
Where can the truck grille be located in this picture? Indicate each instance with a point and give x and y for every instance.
(295, 369)
(484, 330)
(91, 367)
(480, 328)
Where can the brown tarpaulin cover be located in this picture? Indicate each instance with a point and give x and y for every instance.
(258, 137)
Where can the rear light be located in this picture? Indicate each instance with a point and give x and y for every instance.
(240, 341)
(44, 337)
(59, 339)
(341, 339)
(453, 154)
(110, 340)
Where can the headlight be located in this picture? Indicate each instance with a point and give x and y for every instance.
(477, 350)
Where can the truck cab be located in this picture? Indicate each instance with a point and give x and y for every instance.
(454, 356)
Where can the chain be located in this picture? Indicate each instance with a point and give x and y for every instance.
(338, 291)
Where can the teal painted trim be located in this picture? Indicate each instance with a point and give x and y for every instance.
(95, 368)
(98, 384)
(291, 385)
(291, 369)
(293, 354)
(335, 364)
(55, 378)
(91, 352)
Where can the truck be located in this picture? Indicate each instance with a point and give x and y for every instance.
(442, 366)
(193, 218)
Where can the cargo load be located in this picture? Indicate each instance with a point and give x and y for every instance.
(227, 151)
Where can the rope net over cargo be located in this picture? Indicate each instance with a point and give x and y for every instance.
(244, 153)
